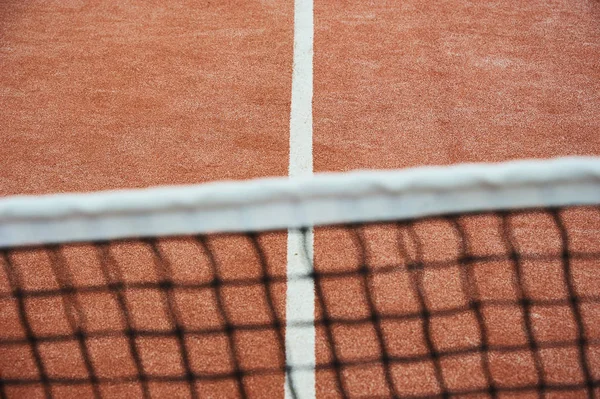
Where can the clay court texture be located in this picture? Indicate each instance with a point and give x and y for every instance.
(108, 95)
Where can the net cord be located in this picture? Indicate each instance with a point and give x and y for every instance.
(281, 203)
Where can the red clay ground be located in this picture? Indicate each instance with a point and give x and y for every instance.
(115, 94)
(120, 94)
(133, 94)
(411, 83)
(419, 83)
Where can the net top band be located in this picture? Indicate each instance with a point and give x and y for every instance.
(282, 203)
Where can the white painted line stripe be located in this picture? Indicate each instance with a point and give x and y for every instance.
(300, 341)
(302, 91)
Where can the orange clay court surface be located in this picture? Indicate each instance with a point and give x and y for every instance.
(127, 94)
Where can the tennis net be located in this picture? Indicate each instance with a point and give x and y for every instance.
(462, 281)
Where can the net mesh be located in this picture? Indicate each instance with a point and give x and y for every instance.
(487, 304)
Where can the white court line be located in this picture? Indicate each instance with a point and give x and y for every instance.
(300, 341)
